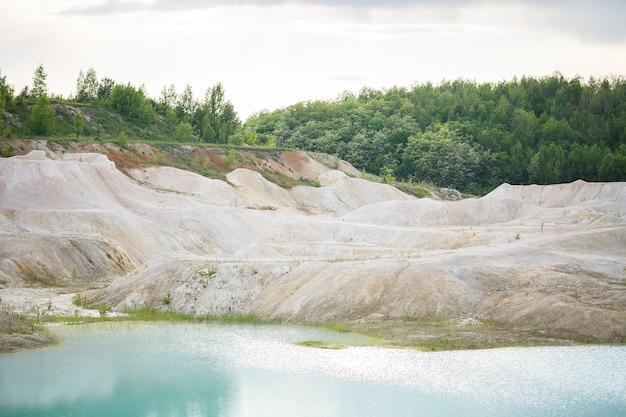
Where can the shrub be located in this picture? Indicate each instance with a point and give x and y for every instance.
(122, 139)
(167, 299)
(103, 308)
(6, 151)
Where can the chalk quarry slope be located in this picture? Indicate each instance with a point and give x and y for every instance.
(548, 259)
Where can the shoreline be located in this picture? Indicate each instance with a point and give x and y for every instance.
(25, 313)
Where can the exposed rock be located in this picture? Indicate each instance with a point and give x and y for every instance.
(544, 259)
(17, 334)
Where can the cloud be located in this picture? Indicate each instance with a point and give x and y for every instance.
(381, 31)
(599, 21)
(109, 7)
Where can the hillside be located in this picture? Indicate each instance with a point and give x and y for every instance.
(521, 264)
(457, 134)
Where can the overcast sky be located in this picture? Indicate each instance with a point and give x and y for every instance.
(273, 53)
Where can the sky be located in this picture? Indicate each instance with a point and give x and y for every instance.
(270, 54)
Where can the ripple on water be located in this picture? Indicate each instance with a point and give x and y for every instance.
(202, 369)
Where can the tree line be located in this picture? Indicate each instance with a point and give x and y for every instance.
(463, 134)
(460, 134)
(211, 120)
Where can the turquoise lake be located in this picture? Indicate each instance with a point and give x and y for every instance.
(154, 369)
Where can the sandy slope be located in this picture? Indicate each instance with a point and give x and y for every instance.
(548, 259)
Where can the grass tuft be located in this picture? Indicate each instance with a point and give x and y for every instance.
(320, 344)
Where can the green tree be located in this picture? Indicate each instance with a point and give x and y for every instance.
(132, 102)
(583, 162)
(125, 100)
(442, 156)
(228, 122)
(218, 116)
(557, 131)
(41, 119)
(6, 94)
(39, 82)
(87, 86)
(6, 99)
(208, 134)
(613, 166)
(167, 101)
(525, 127)
(186, 105)
(78, 124)
(184, 132)
(147, 113)
(105, 88)
(548, 164)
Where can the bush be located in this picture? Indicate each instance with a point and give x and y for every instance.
(167, 299)
(122, 139)
(184, 132)
(103, 309)
(6, 151)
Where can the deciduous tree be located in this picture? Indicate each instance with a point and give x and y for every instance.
(41, 120)
(87, 86)
(39, 82)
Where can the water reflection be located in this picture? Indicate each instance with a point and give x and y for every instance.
(104, 370)
(238, 371)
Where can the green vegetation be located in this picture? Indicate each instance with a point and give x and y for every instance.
(167, 299)
(6, 151)
(320, 344)
(31, 322)
(78, 301)
(103, 308)
(41, 119)
(148, 313)
(459, 344)
(457, 134)
(122, 139)
(286, 181)
(78, 124)
(102, 109)
(466, 135)
(33, 279)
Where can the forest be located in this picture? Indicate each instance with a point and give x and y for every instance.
(457, 134)
(466, 135)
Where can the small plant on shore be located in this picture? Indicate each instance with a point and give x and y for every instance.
(167, 299)
(320, 344)
(79, 301)
(340, 328)
(517, 236)
(103, 308)
(34, 279)
(149, 313)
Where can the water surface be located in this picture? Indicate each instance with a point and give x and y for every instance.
(134, 369)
